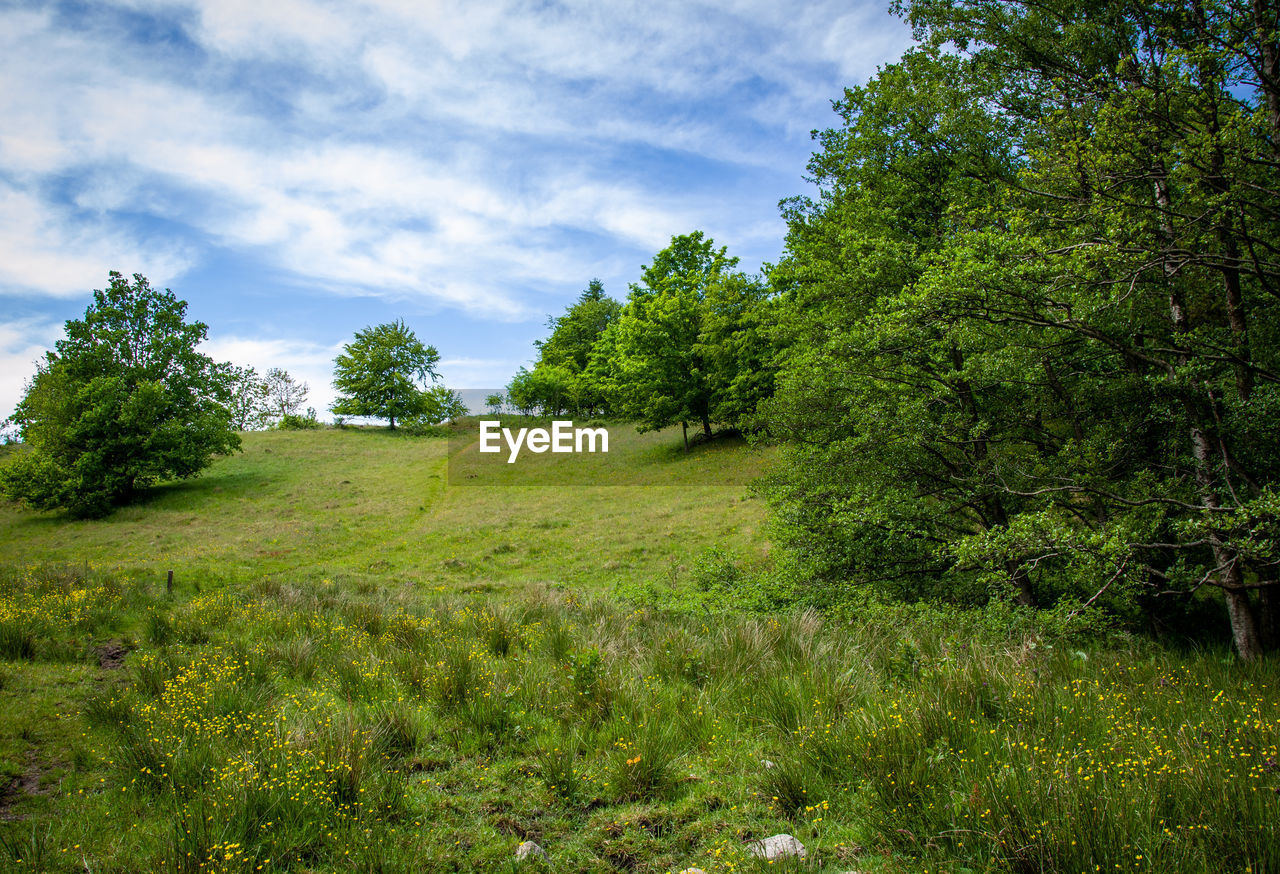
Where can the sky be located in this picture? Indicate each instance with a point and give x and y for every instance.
(298, 170)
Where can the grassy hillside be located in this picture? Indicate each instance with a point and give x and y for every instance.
(365, 668)
(360, 505)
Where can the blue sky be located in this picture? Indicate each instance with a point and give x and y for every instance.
(297, 169)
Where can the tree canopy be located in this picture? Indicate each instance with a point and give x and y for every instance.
(1030, 320)
(124, 402)
(561, 379)
(688, 346)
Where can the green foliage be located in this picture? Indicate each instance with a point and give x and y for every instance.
(547, 390)
(1027, 357)
(574, 334)
(294, 422)
(440, 407)
(383, 373)
(124, 402)
(283, 395)
(690, 344)
(248, 399)
(562, 380)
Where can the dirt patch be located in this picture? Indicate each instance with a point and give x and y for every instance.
(22, 786)
(111, 654)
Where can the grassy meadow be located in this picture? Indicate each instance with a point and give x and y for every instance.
(365, 667)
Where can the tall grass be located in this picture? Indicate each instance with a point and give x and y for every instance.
(302, 727)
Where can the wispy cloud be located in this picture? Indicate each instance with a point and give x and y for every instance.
(467, 156)
(22, 343)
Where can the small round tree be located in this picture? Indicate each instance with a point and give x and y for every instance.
(383, 373)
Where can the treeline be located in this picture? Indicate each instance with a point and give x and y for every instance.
(689, 347)
(1022, 344)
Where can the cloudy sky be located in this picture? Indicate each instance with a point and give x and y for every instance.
(299, 169)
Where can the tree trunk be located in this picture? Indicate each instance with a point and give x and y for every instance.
(392, 420)
(685, 427)
(1244, 627)
(1026, 596)
(706, 426)
(1244, 624)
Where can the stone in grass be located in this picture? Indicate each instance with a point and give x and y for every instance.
(777, 847)
(529, 848)
(693, 871)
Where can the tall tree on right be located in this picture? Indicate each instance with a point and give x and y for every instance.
(1102, 265)
(1145, 230)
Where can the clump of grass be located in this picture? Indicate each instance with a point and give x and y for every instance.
(498, 631)
(559, 764)
(457, 676)
(151, 671)
(397, 731)
(160, 630)
(642, 764)
(589, 682)
(17, 640)
(110, 708)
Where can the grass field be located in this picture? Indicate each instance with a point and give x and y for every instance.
(360, 505)
(365, 668)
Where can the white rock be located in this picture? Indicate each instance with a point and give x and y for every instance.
(529, 848)
(768, 765)
(778, 847)
(693, 871)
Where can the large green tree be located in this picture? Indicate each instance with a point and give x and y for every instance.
(383, 373)
(1145, 233)
(892, 442)
(124, 401)
(689, 345)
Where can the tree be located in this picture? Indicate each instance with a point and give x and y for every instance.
(892, 435)
(686, 339)
(561, 379)
(442, 404)
(1143, 234)
(383, 373)
(495, 402)
(125, 401)
(284, 394)
(248, 403)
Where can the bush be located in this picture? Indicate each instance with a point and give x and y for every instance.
(290, 422)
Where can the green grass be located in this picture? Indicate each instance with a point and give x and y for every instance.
(367, 506)
(392, 689)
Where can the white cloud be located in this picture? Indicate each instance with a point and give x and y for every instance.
(306, 361)
(478, 373)
(451, 151)
(44, 249)
(23, 342)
